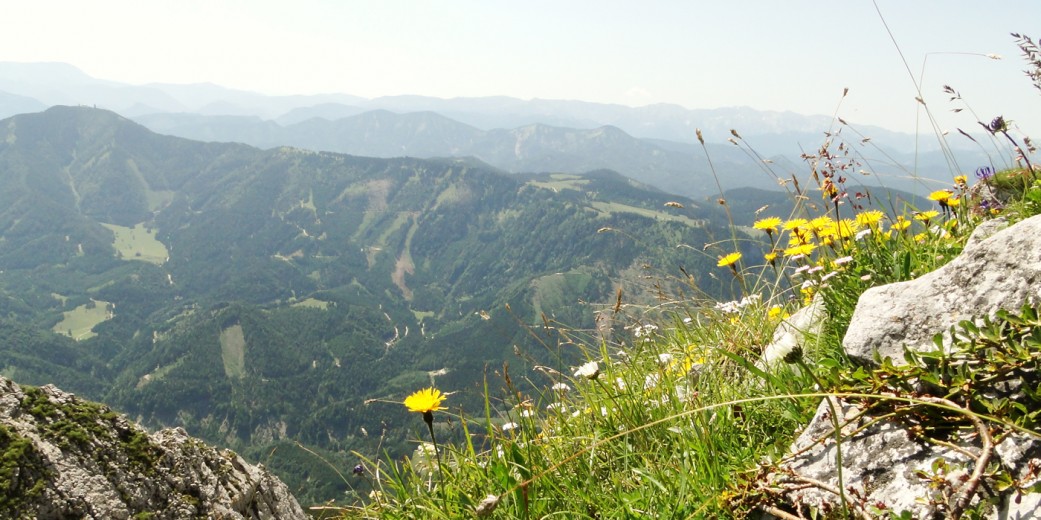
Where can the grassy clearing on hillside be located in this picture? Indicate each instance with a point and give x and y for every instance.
(561, 181)
(233, 351)
(614, 207)
(138, 243)
(312, 303)
(79, 323)
(555, 291)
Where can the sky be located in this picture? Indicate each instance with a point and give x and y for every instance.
(792, 55)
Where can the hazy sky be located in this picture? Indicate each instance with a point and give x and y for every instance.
(771, 55)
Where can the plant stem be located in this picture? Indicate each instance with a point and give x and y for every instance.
(838, 431)
(428, 417)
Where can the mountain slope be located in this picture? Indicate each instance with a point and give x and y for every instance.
(262, 297)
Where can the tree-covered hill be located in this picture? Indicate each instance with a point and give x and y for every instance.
(262, 297)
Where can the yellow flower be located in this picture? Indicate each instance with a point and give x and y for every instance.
(961, 180)
(926, 216)
(900, 224)
(728, 260)
(425, 401)
(940, 196)
(845, 228)
(953, 202)
(804, 249)
(768, 224)
(775, 312)
(795, 223)
(771, 256)
(685, 365)
(798, 239)
(821, 223)
(869, 218)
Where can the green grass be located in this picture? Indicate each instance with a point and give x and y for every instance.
(79, 323)
(312, 303)
(233, 351)
(561, 181)
(677, 416)
(554, 291)
(607, 208)
(138, 243)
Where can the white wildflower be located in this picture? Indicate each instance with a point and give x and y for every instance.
(589, 370)
(487, 506)
(664, 359)
(651, 381)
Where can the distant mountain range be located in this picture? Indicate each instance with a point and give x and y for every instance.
(653, 144)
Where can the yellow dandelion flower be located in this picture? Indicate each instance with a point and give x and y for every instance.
(728, 260)
(798, 239)
(685, 365)
(821, 223)
(771, 256)
(768, 224)
(926, 216)
(795, 223)
(940, 196)
(804, 249)
(830, 230)
(870, 217)
(900, 224)
(953, 202)
(425, 401)
(961, 180)
(775, 312)
(846, 228)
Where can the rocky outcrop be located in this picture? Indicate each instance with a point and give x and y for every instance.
(889, 462)
(64, 457)
(999, 272)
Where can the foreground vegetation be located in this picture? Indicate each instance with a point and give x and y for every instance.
(678, 414)
(679, 418)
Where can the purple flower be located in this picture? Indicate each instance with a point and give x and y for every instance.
(998, 124)
(984, 172)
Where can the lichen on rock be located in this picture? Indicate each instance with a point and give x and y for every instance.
(65, 457)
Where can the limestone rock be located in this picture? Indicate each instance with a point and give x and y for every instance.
(77, 459)
(884, 465)
(999, 272)
(793, 331)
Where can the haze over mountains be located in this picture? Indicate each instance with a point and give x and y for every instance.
(653, 144)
